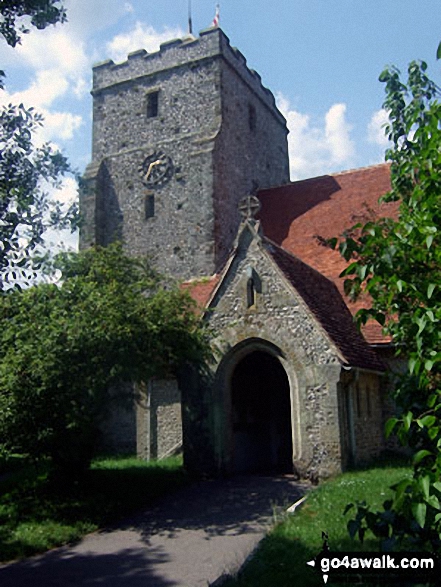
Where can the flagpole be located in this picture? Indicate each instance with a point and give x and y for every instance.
(190, 23)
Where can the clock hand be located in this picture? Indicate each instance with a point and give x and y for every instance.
(150, 168)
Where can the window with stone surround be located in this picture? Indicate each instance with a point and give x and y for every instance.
(153, 104)
(251, 293)
(149, 206)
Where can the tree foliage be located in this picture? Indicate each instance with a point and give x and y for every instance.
(40, 13)
(63, 347)
(27, 171)
(26, 210)
(398, 262)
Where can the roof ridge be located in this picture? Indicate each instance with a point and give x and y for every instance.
(357, 169)
(332, 174)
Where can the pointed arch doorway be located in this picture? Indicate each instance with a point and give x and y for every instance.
(261, 415)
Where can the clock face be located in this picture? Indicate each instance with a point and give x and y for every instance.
(156, 169)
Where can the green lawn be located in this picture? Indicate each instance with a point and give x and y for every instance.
(282, 556)
(35, 515)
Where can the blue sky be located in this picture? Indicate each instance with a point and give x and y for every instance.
(321, 58)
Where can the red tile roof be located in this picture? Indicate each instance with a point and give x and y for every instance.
(298, 216)
(201, 290)
(325, 302)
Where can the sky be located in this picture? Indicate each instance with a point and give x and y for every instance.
(320, 58)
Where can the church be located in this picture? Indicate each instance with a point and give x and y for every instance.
(190, 167)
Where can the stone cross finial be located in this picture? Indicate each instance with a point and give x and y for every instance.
(249, 207)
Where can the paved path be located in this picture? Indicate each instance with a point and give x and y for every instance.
(189, 539)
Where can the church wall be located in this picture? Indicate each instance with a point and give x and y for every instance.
(251, 149)
(279, 320)
(118, 426)
(159, 421)
(361, 404)
(368, 417)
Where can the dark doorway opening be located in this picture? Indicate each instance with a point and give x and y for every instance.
(261, 415)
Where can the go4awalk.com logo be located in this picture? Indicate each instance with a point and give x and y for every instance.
(350, 567)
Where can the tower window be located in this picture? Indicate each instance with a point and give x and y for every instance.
(252, 117)
(149, 206)
(152, 104)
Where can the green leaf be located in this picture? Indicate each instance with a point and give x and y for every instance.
(419, 511)
(433, 501)
(390, 425)
(428, 365)
(420, 455)
(430, 290)
(407, 420)
(427, 421)
(438, 52)
(429, 241)
(413, 363)
(424, 483)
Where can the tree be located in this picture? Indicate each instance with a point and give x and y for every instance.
(62, 348)
(398, 263)
(26, 210)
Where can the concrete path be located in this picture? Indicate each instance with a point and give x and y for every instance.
(189, 539)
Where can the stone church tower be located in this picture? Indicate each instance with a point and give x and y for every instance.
(179, 137)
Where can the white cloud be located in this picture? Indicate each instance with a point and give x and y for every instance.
(56, 125)
(337, 131)
(315, 149)
(60, 125)
(54, 48)
(87, 17)
(376, 132)
(46, 87)
(141, 37)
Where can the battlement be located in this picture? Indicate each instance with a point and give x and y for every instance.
(211, 44)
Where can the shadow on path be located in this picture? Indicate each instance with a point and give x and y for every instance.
(220, 507)
(187, 539)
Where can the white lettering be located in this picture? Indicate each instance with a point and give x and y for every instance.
(391, 562)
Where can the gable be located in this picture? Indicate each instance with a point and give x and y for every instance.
(294, 303)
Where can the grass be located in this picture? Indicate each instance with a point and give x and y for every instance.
(36, 515)
(282, 556)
